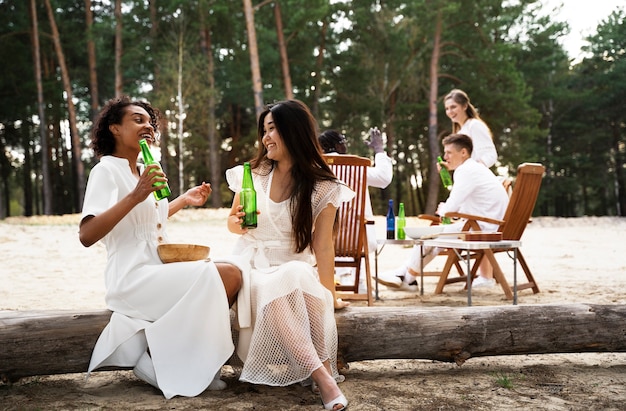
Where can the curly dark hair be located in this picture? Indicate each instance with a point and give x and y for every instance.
(329, 140)
(102, 140)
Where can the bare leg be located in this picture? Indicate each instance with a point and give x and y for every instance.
(231, 277)
(485, 269)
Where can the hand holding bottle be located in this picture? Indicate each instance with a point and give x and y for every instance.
(149, 182)
(162, 188)
(441, 212)
(446, 179)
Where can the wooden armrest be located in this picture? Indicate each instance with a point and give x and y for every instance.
(435, 220)
(454, 214)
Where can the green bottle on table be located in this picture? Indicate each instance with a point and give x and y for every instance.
(164, 191)
(247, 198)
(401, 222)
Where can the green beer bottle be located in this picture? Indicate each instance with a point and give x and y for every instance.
(247, 198)
(164, 191)
(401, 222)
(445, 175)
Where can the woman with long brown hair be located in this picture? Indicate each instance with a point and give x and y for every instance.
(286, 307)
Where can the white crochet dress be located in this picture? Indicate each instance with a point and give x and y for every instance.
(286, 316)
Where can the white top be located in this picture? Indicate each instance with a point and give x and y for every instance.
(476, 191)
(286, 316)
(179, 311)
(484, 150)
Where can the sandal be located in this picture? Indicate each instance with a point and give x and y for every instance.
(340, 400)
(314, 388)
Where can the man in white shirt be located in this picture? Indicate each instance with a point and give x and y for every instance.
(379, 176)
(476, 191)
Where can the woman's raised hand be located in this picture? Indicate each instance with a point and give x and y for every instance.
(198, 195)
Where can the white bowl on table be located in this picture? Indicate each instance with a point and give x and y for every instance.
(418, 232)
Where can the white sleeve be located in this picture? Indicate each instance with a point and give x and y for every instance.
(381, 173)
(484, 149)
(101, 192)
(234, 178)
(461, 191)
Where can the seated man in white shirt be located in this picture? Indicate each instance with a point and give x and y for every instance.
(379, 176)
(476, 191)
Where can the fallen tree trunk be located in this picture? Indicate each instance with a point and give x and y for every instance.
(60, 342)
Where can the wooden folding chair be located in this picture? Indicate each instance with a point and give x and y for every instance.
(512, 226)
(351, 241)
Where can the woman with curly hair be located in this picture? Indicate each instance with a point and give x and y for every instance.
(170, 322)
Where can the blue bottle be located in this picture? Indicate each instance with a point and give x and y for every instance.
(391, 222)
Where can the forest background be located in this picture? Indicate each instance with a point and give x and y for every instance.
(210, 66)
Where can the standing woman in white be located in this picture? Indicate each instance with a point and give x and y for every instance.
(171, 322)
(465, 120)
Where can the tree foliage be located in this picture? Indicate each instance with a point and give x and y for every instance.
(356, 63)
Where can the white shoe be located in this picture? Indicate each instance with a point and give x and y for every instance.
(144, 370)
(412, 286)
(482, 282)
(393, 278)
(217, 384)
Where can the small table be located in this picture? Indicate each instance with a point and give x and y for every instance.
(462, 245)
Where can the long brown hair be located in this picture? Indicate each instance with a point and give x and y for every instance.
(461, 97)
(298, 129)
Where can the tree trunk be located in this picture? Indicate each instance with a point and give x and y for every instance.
(433, 180)
(214, 165)
(257, 84)
(28, 171)
(181, 107)
(77, 164)
(91, 53)
(282, 47)
(41, 110)
(319, 67)
(119, 82)
(59, 342)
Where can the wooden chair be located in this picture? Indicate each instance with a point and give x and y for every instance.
(512, 226)
(351, 240)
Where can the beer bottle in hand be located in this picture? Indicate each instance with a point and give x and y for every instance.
(164, 190)
(247, 198)
(445, 174)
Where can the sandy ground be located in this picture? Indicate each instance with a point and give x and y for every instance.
(579, 260)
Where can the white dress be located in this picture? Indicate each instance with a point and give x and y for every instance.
(285, 315)
(179, 311)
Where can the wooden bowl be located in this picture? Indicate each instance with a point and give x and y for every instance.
(175, 253)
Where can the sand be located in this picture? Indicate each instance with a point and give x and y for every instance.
(575, 260)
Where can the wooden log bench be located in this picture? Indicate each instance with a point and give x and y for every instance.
(60, 342)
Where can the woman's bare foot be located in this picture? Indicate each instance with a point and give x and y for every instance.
(340, 304)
